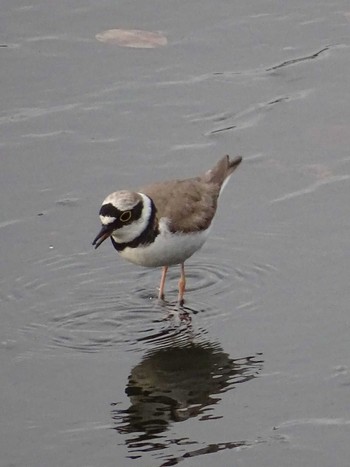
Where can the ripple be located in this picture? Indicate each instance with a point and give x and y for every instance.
(312, 188)
(75, 303)
(202, 277)
(55, 299)
(103, 323)
(107, 322)
(86, 303)
(315, 422)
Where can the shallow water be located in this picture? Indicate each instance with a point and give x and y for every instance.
(94, 370)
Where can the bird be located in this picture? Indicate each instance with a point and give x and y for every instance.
(165, 223)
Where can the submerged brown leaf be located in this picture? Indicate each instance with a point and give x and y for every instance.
(132, 38)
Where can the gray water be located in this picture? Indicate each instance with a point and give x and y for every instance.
(94, 371)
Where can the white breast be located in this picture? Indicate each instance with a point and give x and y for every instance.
(167, 249)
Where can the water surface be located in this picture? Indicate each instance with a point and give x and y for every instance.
(94, 370)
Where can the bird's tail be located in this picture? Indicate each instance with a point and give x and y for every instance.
(222, 170)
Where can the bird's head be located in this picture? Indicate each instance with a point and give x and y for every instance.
(125, 215)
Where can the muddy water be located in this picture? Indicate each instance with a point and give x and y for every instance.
(94, 371)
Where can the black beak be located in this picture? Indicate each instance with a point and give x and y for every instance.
(103, 234)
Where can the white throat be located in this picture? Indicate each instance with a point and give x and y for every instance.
(129, 232)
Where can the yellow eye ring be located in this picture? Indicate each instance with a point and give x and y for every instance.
(125, 216)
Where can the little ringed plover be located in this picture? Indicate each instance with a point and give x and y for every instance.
(163, 224)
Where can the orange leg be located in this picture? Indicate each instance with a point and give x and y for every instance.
(182, 285)
(162, 283)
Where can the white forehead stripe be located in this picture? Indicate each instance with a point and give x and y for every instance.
(122, 200)
(107, 219)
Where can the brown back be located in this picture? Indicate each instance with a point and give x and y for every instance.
(191, 204)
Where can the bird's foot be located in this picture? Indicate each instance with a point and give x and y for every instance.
(185, 317)
(179, 317)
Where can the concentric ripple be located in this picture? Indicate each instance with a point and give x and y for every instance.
(201, 278)
(74, 303)
(87, 303)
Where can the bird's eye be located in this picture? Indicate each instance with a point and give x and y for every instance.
(125, 216)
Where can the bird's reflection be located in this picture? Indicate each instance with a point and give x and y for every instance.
(175, 383)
